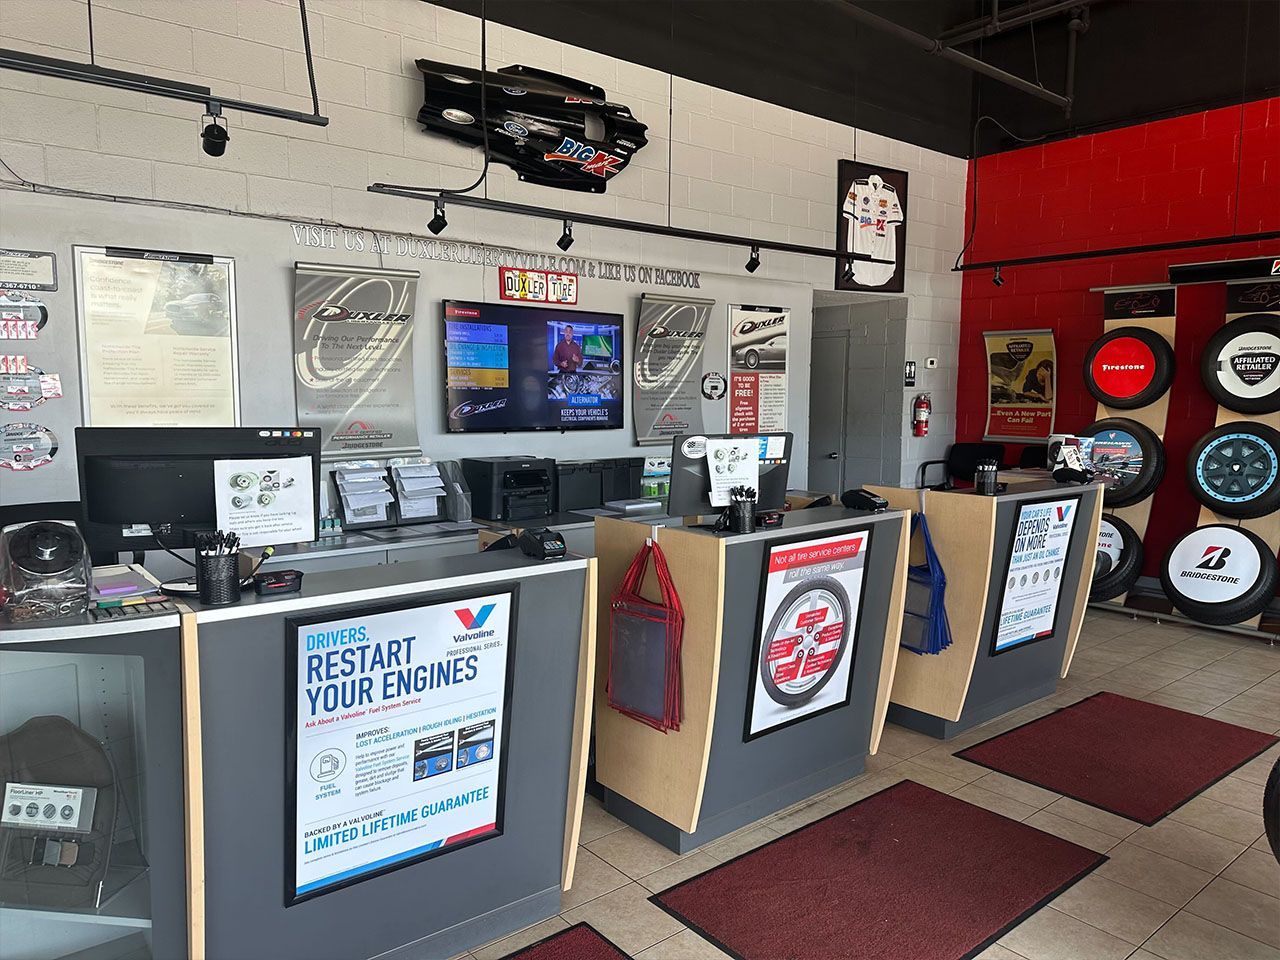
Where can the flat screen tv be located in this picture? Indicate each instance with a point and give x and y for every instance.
(510, 367)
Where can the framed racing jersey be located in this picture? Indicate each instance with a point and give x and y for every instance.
(871, 219)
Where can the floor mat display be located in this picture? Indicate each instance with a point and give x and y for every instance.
(906, 874)
(1135, 759)
(580, 942)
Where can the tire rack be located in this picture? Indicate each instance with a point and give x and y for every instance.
(1267, 527)
(1153, 416)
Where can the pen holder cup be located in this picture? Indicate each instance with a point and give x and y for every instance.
(742, 516)
(218, 578)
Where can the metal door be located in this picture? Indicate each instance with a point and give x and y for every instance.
(828, 390)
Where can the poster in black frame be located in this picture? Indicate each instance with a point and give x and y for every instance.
(849, 652)
(873, 198)
(992, 651)
(292, 625)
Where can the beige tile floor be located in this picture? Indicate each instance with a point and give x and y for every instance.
(1199, 885)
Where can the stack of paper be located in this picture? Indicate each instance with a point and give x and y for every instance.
(365, 495)
(419, 488)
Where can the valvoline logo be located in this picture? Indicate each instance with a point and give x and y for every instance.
(474, 619)
(592, 160)
(1064, 512)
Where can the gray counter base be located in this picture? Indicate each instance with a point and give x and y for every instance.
(721, 824)
(941, 729)
(481, 930)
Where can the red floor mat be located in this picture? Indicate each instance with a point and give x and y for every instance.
(906, 874)
(580, 942)
(1139, 760)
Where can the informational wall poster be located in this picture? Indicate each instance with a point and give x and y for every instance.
(157, 338)
(1022, 384)
(353, 358)
(871, 219)
(758, 369)
(398, 750)
(808, 630)
(28, 270)
(1037, 563)
(266, 501)
(678, 385)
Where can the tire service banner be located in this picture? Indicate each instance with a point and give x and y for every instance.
(678, 386)
(353, 358)
(398, 749)
(1033, 580)
(808, 630)
(1022, 384)
(758, 369)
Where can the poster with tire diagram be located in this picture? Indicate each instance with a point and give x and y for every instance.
(807, 636)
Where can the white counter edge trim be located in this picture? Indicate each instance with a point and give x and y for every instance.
(103, 628)
(303, 603)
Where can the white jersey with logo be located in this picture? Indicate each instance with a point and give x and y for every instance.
(873, 211)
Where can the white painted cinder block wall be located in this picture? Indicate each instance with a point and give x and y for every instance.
(737, 165)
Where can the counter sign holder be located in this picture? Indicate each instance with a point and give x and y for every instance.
(1021, 583)
(385, 685)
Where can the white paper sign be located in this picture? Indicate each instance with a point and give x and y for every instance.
(400, 723)
(1037, 563)
(732, 463)
(267, 502)
(807, 639)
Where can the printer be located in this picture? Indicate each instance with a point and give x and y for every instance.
(511, 488)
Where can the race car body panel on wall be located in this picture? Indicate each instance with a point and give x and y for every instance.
(552, 130)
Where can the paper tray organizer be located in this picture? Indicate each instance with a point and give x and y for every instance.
(373, 495)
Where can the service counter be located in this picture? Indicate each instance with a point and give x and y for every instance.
(206, 715)
(739, 754)
(1011, 642)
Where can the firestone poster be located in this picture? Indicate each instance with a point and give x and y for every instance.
(1022, 384)
(808, 632)
(353, 358)
(678, 385)
(400, 727)
(1037, 563)
(758, 369)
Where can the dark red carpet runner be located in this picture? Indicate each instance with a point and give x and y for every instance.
(1139, 760)
(579, 942)
(906, 874)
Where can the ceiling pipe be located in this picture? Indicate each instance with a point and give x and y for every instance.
(1030, 12)
(929, 45)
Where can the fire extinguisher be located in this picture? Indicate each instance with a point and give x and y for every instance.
(921, 407)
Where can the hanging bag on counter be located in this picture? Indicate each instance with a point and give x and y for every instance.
(925, 627)
(644, 645)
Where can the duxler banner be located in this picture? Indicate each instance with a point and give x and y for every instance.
(677, 386)
(353, 358)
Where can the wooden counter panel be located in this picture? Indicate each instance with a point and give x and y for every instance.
(582, 711)
(1086, 583)
(892, 633)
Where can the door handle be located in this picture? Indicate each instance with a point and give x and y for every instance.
(833, 456)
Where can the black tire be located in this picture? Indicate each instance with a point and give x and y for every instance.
(1240, 366)
(778, 695)
(1129, 456)
(1112, 574)
(1271, 809)
(1129, 367)
(1220, 574)
(1234, 470)
(752, 359)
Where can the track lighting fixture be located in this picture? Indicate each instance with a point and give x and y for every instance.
(438, 222)
(566, 237)
(996, 278)
(214, 138)
(754, 263)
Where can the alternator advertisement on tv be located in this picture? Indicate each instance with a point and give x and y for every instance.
(758, 369)
(398, 750)
(678, 385)
(353, 358)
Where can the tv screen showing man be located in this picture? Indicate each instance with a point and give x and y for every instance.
(567, 357)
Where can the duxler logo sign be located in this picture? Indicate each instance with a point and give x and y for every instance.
(658, 331)
(335, 313)
(751, 326)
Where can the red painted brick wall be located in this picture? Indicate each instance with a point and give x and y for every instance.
(1202, 175)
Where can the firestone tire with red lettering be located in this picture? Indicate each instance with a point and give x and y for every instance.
(1240, 366)
(801, 689)
(1129, 367)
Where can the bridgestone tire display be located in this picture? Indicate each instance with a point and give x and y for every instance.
(1220, 574)
(1239, 365)
(1119, 559)
(1129, 456)
(1234, 469)
(801, 687)
(1129, 367)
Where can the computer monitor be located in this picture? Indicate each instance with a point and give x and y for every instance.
(136, 479)
(690, 494)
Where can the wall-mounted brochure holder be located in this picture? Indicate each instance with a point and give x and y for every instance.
(369, 494)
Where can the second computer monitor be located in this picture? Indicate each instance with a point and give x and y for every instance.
(690, 494)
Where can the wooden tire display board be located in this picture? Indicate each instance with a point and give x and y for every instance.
(1267, 527)
(1152, 308)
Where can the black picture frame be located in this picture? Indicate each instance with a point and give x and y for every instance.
(758, 637)
(847, 171)
(292, 625)
(1077, 499)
